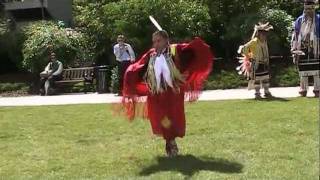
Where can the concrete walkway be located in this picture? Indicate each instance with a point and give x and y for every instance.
(94, 98)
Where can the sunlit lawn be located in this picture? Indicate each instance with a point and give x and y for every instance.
(243, 139)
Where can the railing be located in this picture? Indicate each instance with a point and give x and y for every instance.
(10, 1)
(24, 4)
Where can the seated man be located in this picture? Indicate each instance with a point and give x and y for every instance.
(52, 73)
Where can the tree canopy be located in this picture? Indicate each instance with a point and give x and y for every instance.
(222, 24)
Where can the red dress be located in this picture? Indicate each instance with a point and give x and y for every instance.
(166, 110)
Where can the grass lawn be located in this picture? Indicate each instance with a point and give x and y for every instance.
(243, 139)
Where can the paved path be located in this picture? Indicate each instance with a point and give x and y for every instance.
(94, 98)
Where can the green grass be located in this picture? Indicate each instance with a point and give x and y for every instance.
(225, 140)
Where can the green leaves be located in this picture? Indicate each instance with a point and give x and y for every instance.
(3, 26)
(281, 35)
(104, 21)
(3, 20)
(72, 47)
(114, 86)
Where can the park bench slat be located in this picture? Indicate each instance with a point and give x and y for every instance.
(74, 75)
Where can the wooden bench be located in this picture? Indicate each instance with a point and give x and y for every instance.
(76, 75)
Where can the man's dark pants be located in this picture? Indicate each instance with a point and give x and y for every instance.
(51, 80)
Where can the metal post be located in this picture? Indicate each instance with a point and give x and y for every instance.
(42, 9)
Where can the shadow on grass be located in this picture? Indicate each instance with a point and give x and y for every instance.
(312, 97)
(188, 165)
(273, 98)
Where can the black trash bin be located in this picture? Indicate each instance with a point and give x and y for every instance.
(101, 72)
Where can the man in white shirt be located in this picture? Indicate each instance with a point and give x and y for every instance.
(52, 73)
(125, 56)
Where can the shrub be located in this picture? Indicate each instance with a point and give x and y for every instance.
(114, 85)
(281, 76)
(285, 77)
(240, 29)
(279, 39)
(225, 80)
(8, 87)
(104, 21)
(71, 47)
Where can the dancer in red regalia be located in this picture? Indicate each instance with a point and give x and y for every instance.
(167, 74)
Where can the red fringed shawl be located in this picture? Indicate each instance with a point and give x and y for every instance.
(166, 110)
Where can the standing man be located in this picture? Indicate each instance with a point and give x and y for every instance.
(305, 47)
(125, 56)
(256, 60)
(167, 74)
(52, 73)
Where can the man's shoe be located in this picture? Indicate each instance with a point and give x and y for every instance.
(42, 93)
(257, 96)
(303, 93)
(268, 95)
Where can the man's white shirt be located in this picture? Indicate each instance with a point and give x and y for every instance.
(125, 53)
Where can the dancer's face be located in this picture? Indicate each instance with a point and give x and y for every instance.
(309, 10)
(159, 42)
(262, 35)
